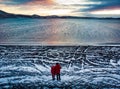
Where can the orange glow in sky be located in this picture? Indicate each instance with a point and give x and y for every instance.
(61, 7)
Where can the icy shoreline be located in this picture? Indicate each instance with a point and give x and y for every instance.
(83, 67)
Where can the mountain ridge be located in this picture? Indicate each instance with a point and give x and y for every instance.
(4, 14)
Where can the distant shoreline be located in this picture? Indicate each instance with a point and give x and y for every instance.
(4, 15)
(99, 45)
(50, 17)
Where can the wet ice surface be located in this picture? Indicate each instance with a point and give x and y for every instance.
(85, 67)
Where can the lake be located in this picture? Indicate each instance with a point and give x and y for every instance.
(33, 45)
(28, 31)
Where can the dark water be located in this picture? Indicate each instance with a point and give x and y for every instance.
(59, 31)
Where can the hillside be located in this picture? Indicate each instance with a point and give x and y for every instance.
(4, 14)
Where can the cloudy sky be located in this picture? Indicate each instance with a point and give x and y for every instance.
(99, 8)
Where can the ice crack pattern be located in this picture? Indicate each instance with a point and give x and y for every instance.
(83, 67)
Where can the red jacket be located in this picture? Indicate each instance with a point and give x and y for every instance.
(53, 70)
(57, 68)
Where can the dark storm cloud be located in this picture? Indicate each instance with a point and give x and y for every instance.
(23, 2)
(103, 5)
(14, 2)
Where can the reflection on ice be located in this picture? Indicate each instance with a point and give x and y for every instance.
(59, 31)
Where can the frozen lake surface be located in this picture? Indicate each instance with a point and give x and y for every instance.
(59, 31)
(83, 67)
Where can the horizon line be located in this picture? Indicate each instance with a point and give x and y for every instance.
(64, 16)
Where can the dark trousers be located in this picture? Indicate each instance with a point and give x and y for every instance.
(53, 77)
(58, 76)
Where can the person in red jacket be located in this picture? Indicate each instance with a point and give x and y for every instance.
(53, 72)
(57, 71)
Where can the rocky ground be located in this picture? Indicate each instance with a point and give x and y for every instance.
(83, 67)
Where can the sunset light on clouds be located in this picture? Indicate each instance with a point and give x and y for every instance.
(109, 8)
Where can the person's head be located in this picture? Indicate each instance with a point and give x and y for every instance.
(57, 63)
